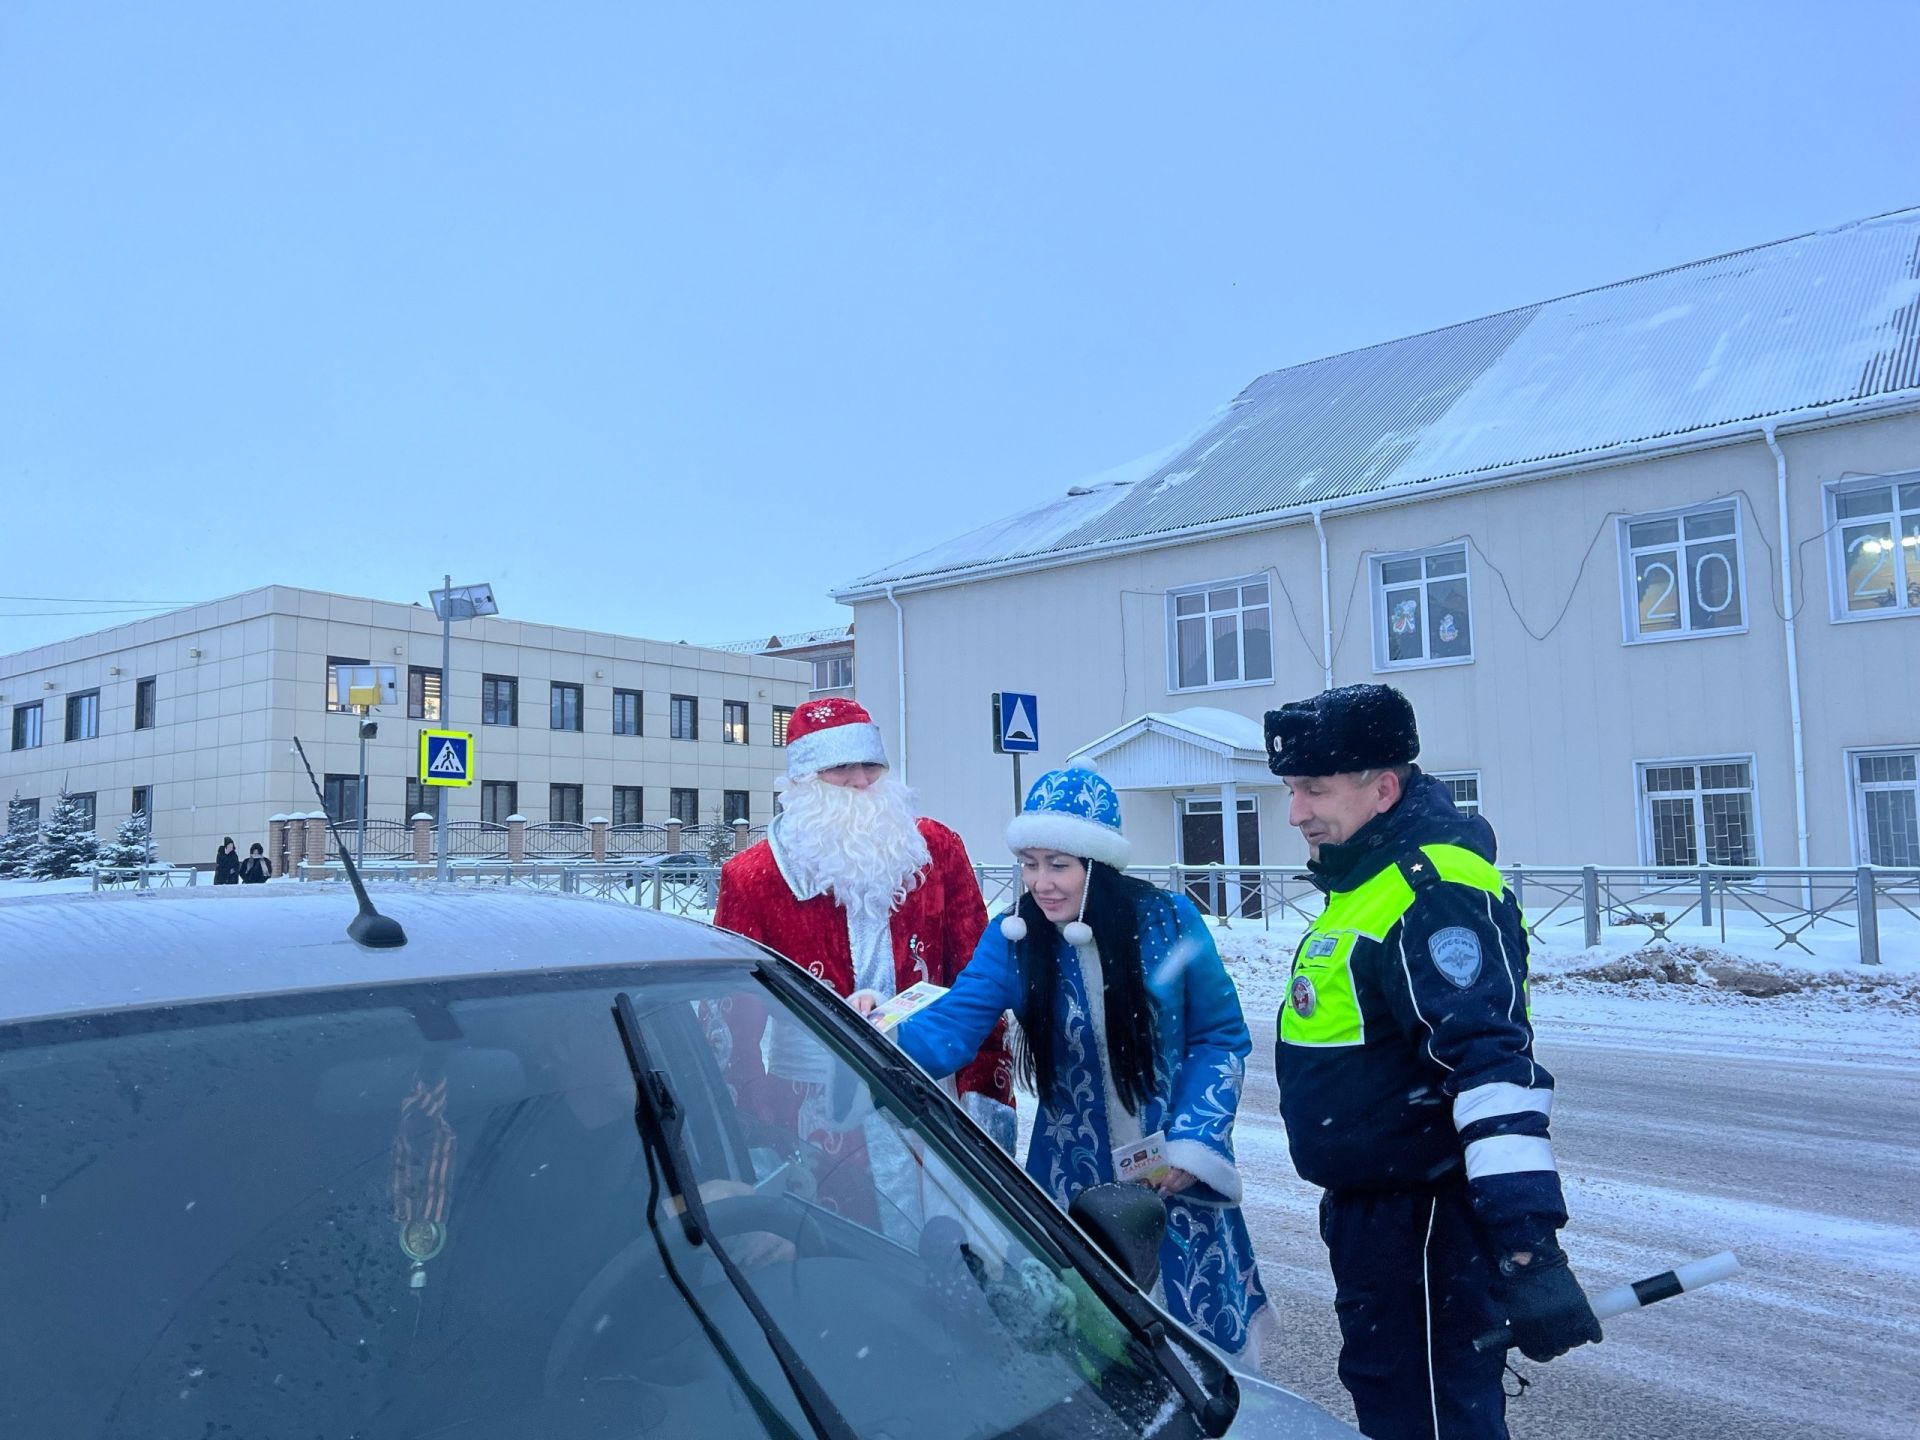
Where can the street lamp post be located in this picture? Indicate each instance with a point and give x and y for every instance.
(368, 729)
(468, 602)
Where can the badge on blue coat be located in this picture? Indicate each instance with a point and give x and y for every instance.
(1456, 954)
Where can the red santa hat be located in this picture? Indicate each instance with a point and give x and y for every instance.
(825, 733)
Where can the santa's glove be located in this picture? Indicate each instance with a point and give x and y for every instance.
(865, 1001)
(1546, 1308)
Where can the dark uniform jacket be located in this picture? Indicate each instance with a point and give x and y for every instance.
(1404, 1054)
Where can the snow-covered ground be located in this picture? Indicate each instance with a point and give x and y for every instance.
(1783, 1125)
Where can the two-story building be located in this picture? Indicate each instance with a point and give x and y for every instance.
(1646, 559)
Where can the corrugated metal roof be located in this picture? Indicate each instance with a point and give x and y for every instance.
(1792, 326)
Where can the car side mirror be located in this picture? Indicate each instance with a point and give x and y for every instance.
(1127, 1222)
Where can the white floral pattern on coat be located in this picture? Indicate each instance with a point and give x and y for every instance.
(1207, 1267)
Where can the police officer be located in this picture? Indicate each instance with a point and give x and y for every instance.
(1408, 1083)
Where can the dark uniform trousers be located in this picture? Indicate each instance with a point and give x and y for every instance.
(1413, 1284)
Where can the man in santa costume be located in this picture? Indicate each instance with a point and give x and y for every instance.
(856, 888)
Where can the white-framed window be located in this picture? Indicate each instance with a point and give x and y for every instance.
(1886, 806)
(1220, 634)
(1422, 614)
(1873, 547)
(1463, 786)
(834, 672)
(1698, 812)
(1683, 573)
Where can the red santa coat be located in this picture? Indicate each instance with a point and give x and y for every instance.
(935, 929)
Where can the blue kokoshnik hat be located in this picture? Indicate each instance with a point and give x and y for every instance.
(1076, 812)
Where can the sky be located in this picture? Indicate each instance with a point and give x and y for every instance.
(667, 320)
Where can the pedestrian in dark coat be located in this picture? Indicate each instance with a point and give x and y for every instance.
(255, 869)
(226, 863)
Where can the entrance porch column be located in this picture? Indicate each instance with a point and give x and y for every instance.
(1230, 843)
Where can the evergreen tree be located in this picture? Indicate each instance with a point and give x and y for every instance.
(132, 847)
(67, 846)
(20, 839)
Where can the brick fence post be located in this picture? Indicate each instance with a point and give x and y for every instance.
(673, 837)
(277, 843)
(516, 839)
(296, 843)
(318, 852)
(739, 837)
(423, 839)
(598, 824)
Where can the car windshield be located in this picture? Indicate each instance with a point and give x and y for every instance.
(422, 1211)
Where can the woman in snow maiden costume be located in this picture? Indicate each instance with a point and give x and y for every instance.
(1130, 1028)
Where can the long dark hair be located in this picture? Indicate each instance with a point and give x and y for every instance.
(1118, 907)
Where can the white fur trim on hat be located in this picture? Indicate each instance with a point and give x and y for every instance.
(856, 744)
(1070, 835)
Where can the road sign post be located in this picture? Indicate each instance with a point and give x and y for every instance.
(1016, 732)
(469, 602)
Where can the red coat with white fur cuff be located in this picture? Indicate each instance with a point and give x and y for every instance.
(935, 929)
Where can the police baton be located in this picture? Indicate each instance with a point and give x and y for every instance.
(1638, 1294)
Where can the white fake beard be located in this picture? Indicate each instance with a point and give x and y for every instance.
(863, 846)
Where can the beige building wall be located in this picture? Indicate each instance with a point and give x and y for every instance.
(238, 679)
(1556, 710)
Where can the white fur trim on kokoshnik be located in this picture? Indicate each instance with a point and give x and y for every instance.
(1070, 835)
(853, 744)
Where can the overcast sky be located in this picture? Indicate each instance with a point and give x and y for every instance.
(668, 320)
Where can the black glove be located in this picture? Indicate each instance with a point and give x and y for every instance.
(1546, 1308)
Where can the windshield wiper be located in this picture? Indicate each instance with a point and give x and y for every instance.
(1213, 1409)
(660, 1118)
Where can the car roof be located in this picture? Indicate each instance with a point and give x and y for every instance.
(62, 954)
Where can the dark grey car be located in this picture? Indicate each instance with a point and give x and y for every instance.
(261, 1181)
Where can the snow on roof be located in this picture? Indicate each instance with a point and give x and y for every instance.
(1792, 326)
(787, 640)
(1240, 731)
(1225, 727)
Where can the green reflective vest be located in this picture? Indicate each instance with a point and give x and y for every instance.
(1323, 1006)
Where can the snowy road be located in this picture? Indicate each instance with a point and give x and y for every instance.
(1793, 1140)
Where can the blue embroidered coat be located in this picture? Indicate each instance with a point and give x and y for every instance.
(1206, 1263)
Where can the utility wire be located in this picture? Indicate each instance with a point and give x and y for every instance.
(92, 600)
(76, 614)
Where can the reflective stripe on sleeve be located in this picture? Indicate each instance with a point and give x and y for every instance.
(1501, 1097)
(1507, 1155)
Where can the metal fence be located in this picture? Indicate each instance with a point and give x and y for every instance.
(638, 839)
(1566, 905)
(476, 839)
(145, 877)
(385, 838)
(678, 885)
(1788, 905)
(555, 839)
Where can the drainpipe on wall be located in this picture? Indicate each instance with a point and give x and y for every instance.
(900, 650)
(1326, 603)
(1793, 657)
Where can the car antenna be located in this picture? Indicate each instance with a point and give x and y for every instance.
(369, 927)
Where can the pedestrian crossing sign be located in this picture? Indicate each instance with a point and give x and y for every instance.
(446, 757)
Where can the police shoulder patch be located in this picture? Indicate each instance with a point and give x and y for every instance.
(1456, 954)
